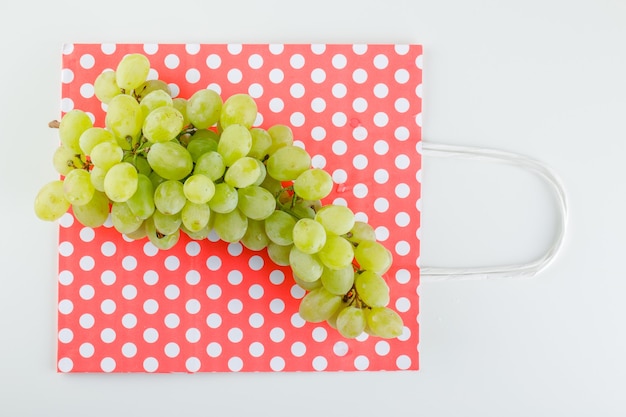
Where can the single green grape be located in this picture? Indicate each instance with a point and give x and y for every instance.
(123, 219)
(336, 219)
(281, 135)
(235, 142)
(141, 203)
(167, 224)
(243, 172)
(361, 231)
(224, 199)
(106, 154)
(72, 125)
(65, 159)
(163, 124)
(279, 227)
(201, 142)
(169, 197)
(124, 117)
(50, 202)
(210, 164)
(384, 322)
(92, 137)
(203, 108)
(132, 71)
(288, 162)
(372, 289)
(255, 202)
(105, 86)
(306, 266)
(231, 226)
(319, 305)
(158, 239)
(309, 236)
(95, 213)
(238, 109)
(255, 238)
(351, 322)
(170, 160)
(338, 281)
(279, 254)
(337, 253)
(120, 182)
(373, 256)
(149, 86)
(155, 99)
(199, 188)
(195, 216)
(77, 187)
(261, 142)
(313, 184)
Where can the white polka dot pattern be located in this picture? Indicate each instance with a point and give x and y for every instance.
(209, 306)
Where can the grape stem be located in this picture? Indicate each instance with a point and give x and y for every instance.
(54, 124)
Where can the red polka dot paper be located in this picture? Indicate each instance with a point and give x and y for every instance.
(211, 306)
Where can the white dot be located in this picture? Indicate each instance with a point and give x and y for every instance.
(150, 364)
(255, 90)
(149, 249)
(86, 321)
(418, 176)
(418, 204)
(213, 61)
(172, 292)
(381, 204)
(296, 61)
(360, 190)
(339, 147)
(296, 90)
(319, 334)
(65, 364)
(382, 347)
(172, 320)
(86, 90)
(214, 320)
(87, 292)
(401, 76)
(359, 133)
(255, 61)
(107, 335)
(66, 277)
(108, 249)
(277, 334)
(192, 48)
(214, 291)
(193, 306)
(108, 306)
(67, 75)
(129, 263)
(235, 335)
(318, 161)
(172, 263)
(359, 105)
(235, 364)
(403, 362)
(382, 233)
(297, 119)
(381, 147)
(339, 61)
(381, 90)
(277, 306)
(360, 161)
(403, 276)
(276, 105)
(297, 292)
(234, 48)
(235, 306)
(276, 76)
(87, 61)
(150, 306)
(192, 277)
(401, 49)
(381, 176)
(361, 362)
(87, 263)
(319, 363)
(129, 350)
(256, 263)
(150, 277)
(403, 304)
(359, 76)
(381, 119)
(402, 161)
(402, 190)
(318, 75)
(214, 349)
(381, 61)
(107, 364)
(129, 320)
(150, 48)
(339, 119)
(66, 249)
(298, 349)
(214, 263)
(277, 277)
(418, 91)
(339, 90)
(255, 291)
(67, 104)
(318, 48)
(87, 234)
(171, 350)
(403, 247)
(340, 348)
(402, 105)
(86, 350)
(256, 320)
(150, 335)
(419, 61)
(235, 277)
(192, 335)
(129, 292)
(192, 248)
(234, 75)
(192, 75)
(172, 61)
(340, 176)
(318, 105)
(256, 349)
(192, 364)
(401, 133)
(277, 364)
(418, 119)
(66, 335)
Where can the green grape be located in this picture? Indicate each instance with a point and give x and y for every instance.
(313, 184)
(306, 266)
(332, 320)
(279, 227)
(337, 253)
(124, 117)
(372, 289)
(97, 178)
(155, 99)
(309, 236)
(93, 136)
(384, 322)
(338, 281)
(170, 160)
(373, 256)
(140, 162)
(255, 202)
(319, 305)
(238, 109)
(288, 162)
(235, 142)
(95, 212)
(351, 322)
(65, 159)
(142, 202)
(200, 234)
(243, 172)
(50, 202)
(263, 173)
(120, 182)
(72, 125)
(210, 164)
(337, 219)
(261, 142)
(169, 197)
(149, 86)
(163, 124)
(203, 108)
(167, 224)
(281, 136)
(156, 179)
(361, 231)
(271, 184)
(304, 209)
(199, 188)
(224, 199)
(77, 187)
(106, 154)
(195, 216)
(279, 254)
(105, 87)
(158, 239)
(255, 238)
(123, 219)
(180, 104)
(307, 285)
(139, 233)
(231, 226)
(201, 143)
(132, 71)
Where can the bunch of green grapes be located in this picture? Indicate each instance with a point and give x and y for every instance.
(163, 166)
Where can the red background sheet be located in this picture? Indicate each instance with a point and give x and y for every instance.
(210, 306)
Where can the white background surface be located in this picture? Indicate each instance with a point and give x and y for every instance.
(545, 78)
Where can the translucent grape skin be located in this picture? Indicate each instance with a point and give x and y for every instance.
(120, 182)
(384, 322)
(50, 202)
(309, 236)
(231, 226)
(238, 109)
(95, 213)
(77, 187)
(105, 86)
(318, 305)
(372, 289)
(132, 71)
(373, 256)
(351, 322)
(170, 160)
(71, 127)
(288, 162)
(124, 117)
(204, 108)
